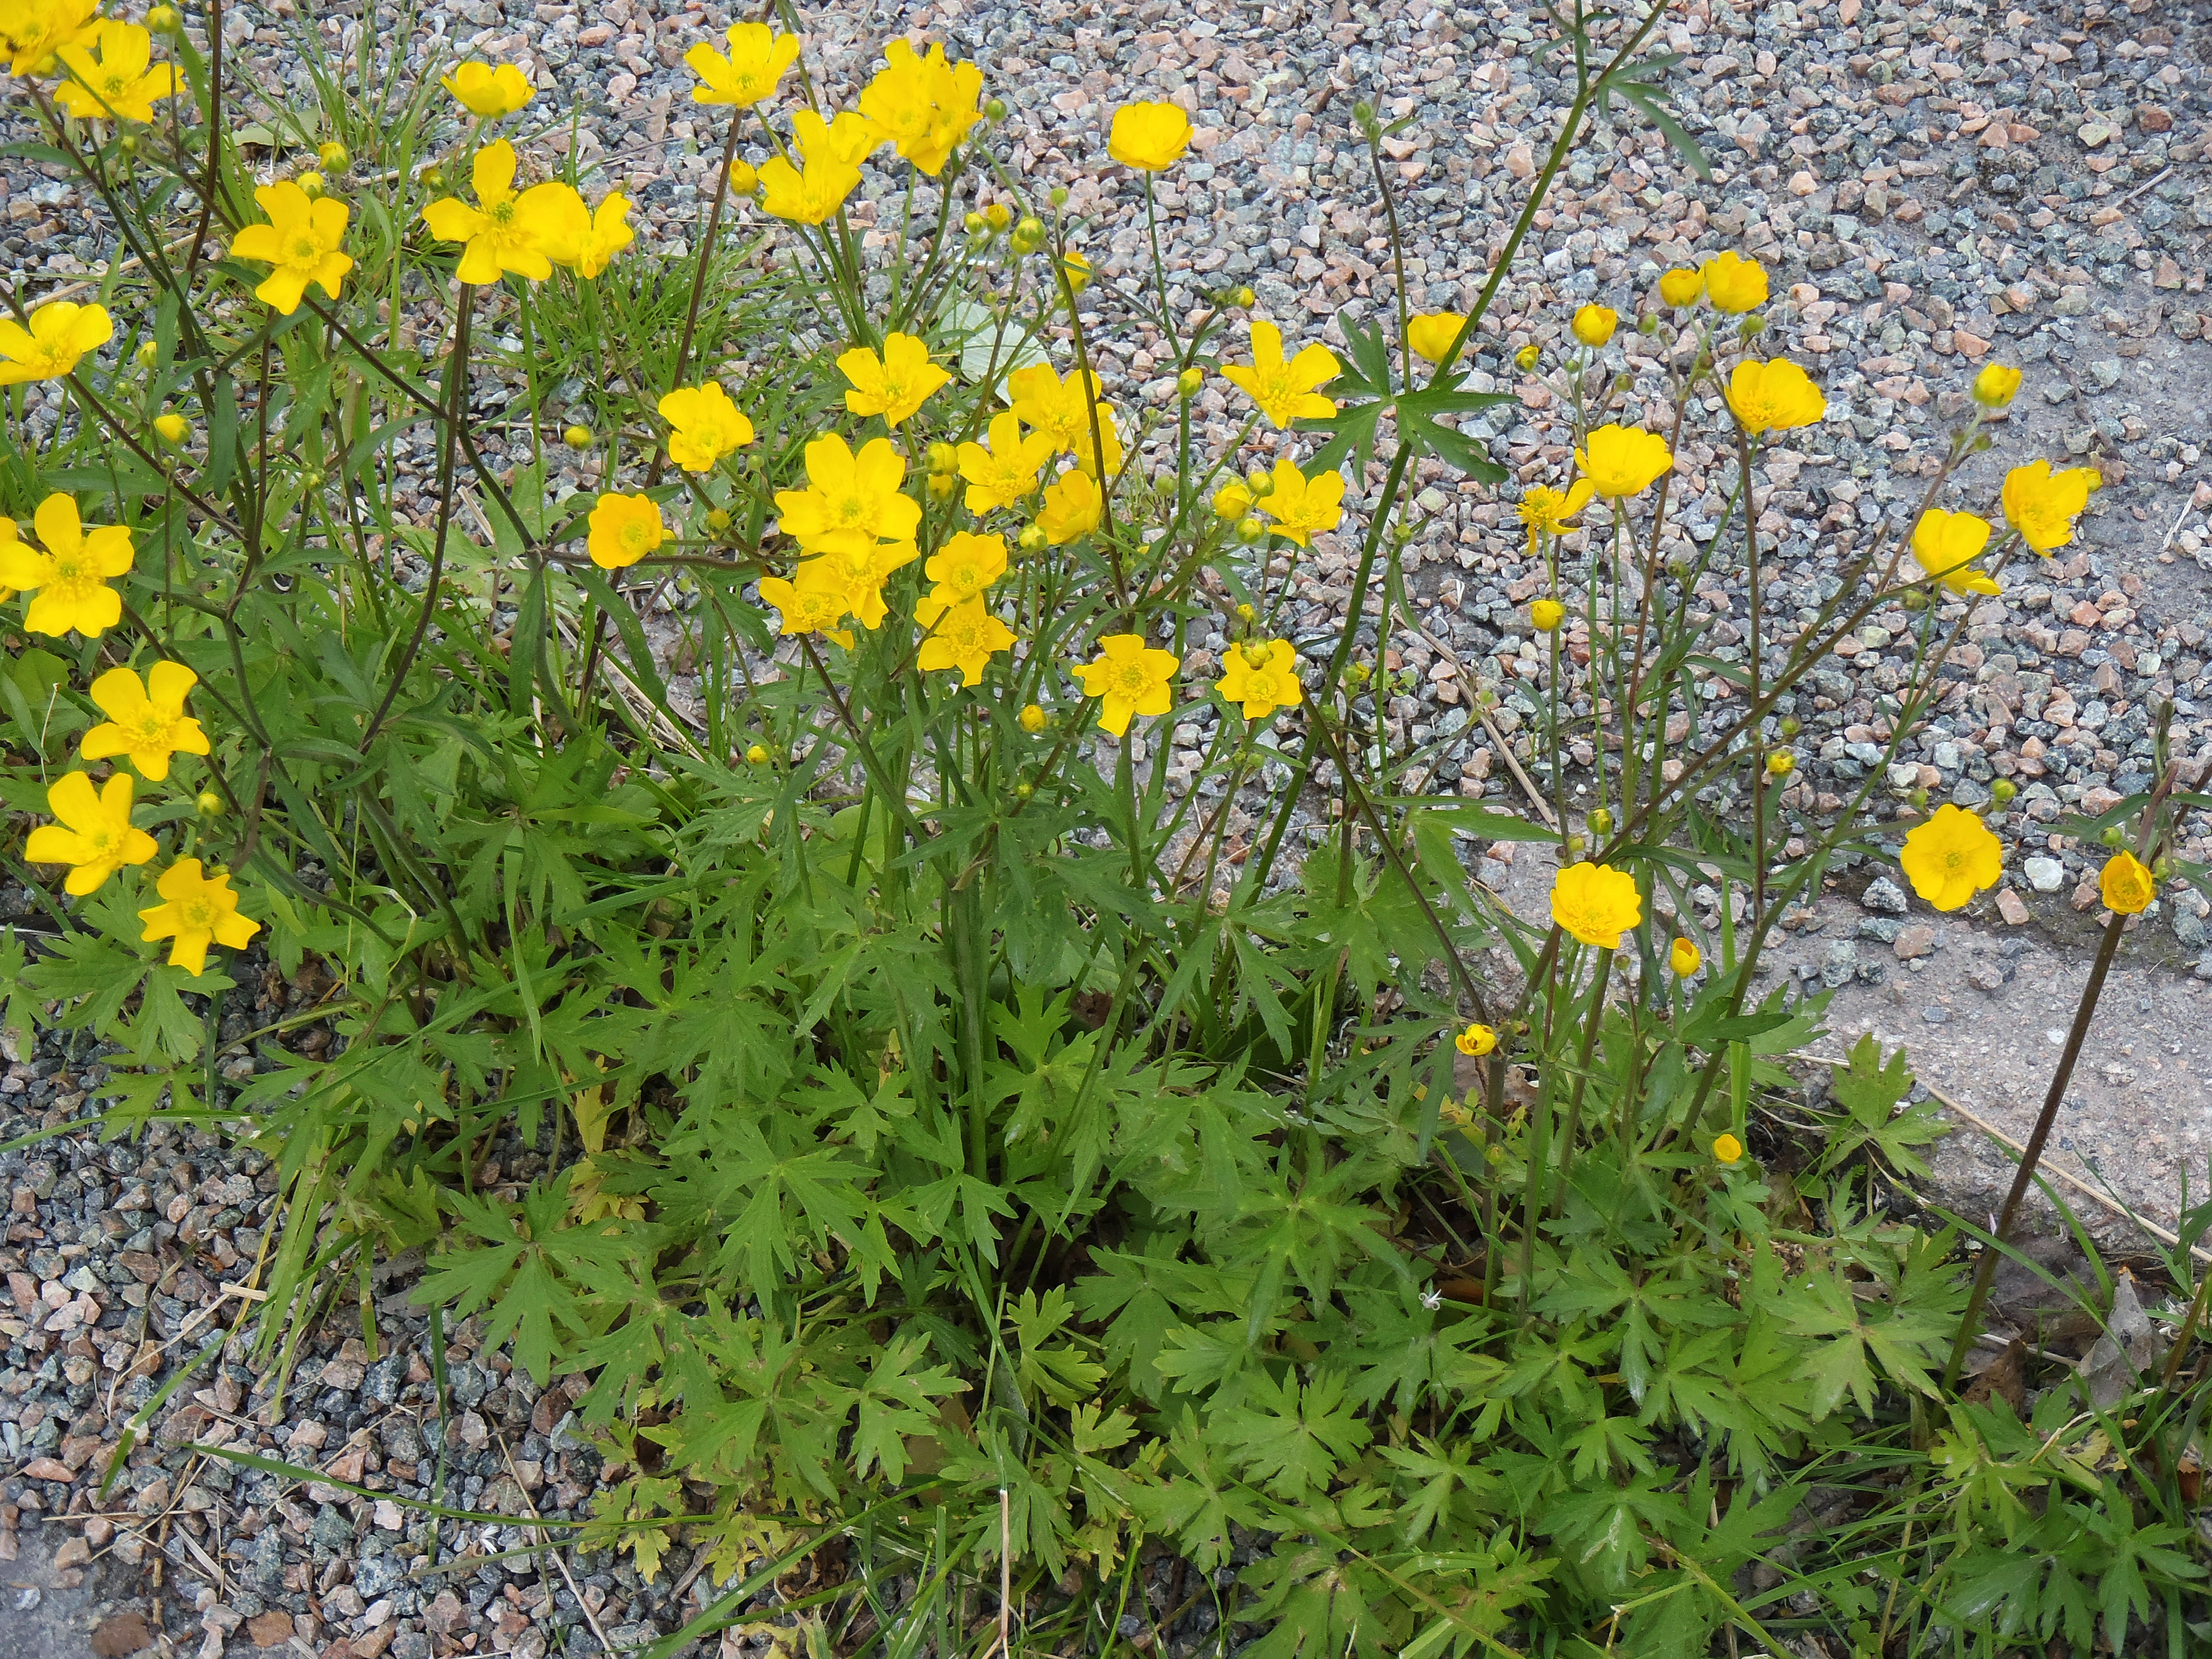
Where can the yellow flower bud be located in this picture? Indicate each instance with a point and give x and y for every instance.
(1033, 718)
(999, 216)
(1028, 235)
(576, 436)
(1781, 763)
(1593, 325)
(1995, 386)
(1190, 382)
(973, 223)
(1600, 821)
(163, 20)
(311, 182)
(1246, 298)
(1246, 614)
(744, 181)
(1685, 959)
(942, 486)
(1032, 539)
(944, 459)
(333, 157)
(1024, 791)
(1547, 615)
(1728, 1149)
(1251, 528)
(174, 428)
(149, 355)
(1476, 1041)
(719, 521)
(757, 754)
(1261, 482)
(1525, 358)
(209, 803)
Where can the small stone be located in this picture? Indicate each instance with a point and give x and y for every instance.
(272, 1629)
(1885, 897)
(2044, 874)
(1935, 1016)
(74, 1552)
(2010, 907)
(2106, 373)
(1914, 942)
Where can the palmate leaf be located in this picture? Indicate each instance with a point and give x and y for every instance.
(894, 1403)
(1293, 1438)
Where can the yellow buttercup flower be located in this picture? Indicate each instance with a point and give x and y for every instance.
(808, 605)
(70, 577)
(1774, 397)
(586, 241)
(146, 719)
(2042, 504)
(831, 153)
(1951, 857)
(94, 836)
(1545, 509)
(623, 530)
(1002, 474)
(198, 911)
(1301, 506)
(483, 90)
(1734, 284)
(1430, 336)
(31, 32)
(707, 425)
(1681, 288)
(1947, 544)
(1071, 506)
(1151, 137)
(1077, 268)
(1995, 386)
(963, 636)
(59, 334)
(1546, 615)
(1596, 903)
(1727, 1150)
(1622, 461)
(505, 231)
(1593, 325)
(852, 502)
(1128, 677)
(1476, 1041)
(895, 385)
(757, 60)
(2127, 884)
(122, 82)
(1262, 675)
(924, 105)
(301, 241)
(1685, 959)
(1285, 390)
(858, 571)
(1056, 406)
(966, 566)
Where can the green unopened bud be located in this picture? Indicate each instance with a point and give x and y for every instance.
(2111, 835)
(719, 521)
(1790, 728)
(312, 479)
(1024, 791)
(1919, 799)
(1028, 235)
(128, 143)
(1363, 115)
(1648, 323)
(2003, 790)
(973, 224)
(1259, 482)
(1249, 529)
(1577, 844)
(995, 110)
(1057, 196)
(1600, 821)
(208, 804)
(1752, 326)
(1913, 598)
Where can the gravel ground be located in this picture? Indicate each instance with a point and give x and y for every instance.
(1932, 186)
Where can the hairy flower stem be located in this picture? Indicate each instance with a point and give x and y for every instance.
(699, 276)
(1599, 981)
(457, 405)
(2031, 1154)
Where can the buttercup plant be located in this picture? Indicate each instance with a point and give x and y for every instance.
(931, 1107)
